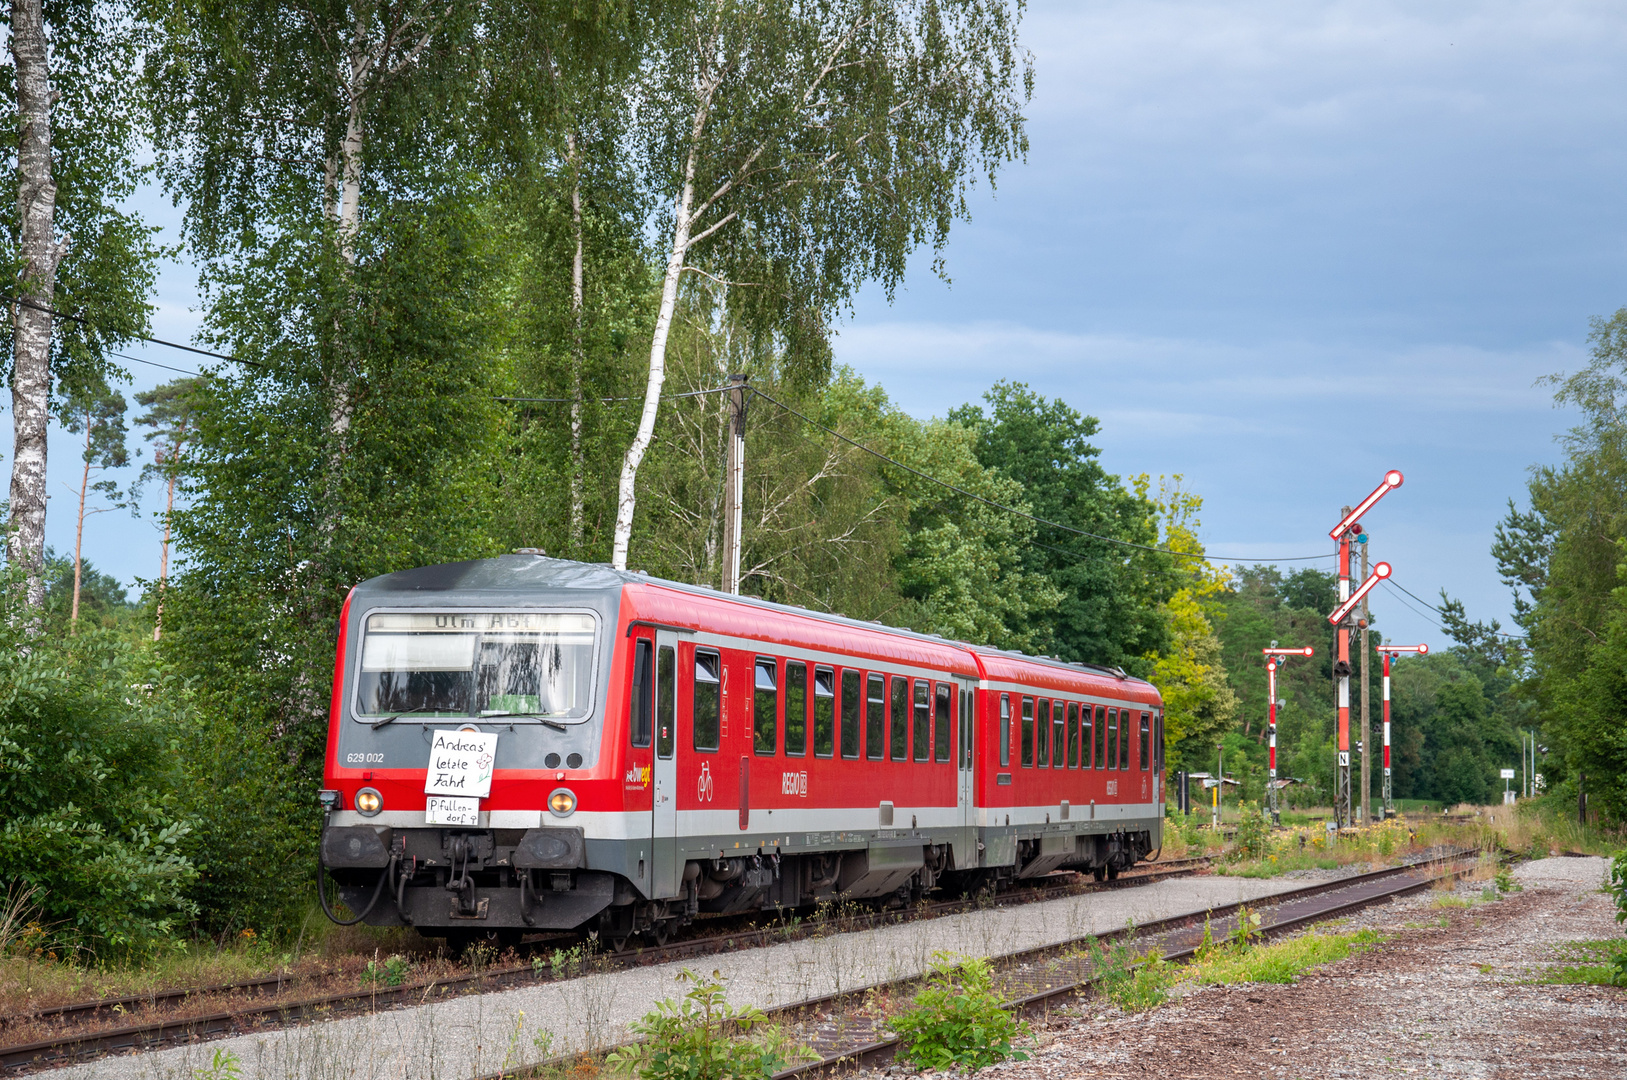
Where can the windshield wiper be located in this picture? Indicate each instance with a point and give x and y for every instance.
(555, 724)
(392, 719)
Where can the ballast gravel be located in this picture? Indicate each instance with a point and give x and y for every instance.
(483, 1033)
(1434, 1001)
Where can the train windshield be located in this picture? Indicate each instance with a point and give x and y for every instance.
(522, 664)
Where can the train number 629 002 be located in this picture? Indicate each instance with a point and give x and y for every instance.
(364, 759)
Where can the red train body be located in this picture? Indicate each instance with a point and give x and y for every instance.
(662, 750)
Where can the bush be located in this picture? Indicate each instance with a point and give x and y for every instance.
(1253, 833)
(955, 1021)
(696, 1038)
(89, 775)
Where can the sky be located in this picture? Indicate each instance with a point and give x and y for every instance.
(1277, 248)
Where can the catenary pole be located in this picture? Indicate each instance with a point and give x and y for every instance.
(734, 484)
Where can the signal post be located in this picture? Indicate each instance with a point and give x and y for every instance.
(1345, 533)
(1388, 651)
(1275, 658)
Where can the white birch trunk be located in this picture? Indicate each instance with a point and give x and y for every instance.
(79, 527)
(577, 351)
(682, 224)
(31, 327)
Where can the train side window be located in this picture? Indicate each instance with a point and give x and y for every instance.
(1073, 734)
(824, 710)
(765, 735)
(706, 700)
(1087, 738)
(1028, 732)
(968, 728)
(1042, 733)
(1146, 741)
(942, 728)
(923, 720)
(1059, 735)
(1005, 729)
(666, 700)
(1112, 738)
(875, 717)
(1158, 740)
(899, 743)
(1126, 718)
(1101, 737)
(852, 709)
(796, 707)
(640, 718)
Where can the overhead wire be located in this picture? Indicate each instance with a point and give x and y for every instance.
(229, 358)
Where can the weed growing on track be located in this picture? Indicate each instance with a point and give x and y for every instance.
(955, 1021)
(702, 1037)
(392, 972)
(1132, 983)
(1278, 962)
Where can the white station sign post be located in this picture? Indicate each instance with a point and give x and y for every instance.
(459, 776)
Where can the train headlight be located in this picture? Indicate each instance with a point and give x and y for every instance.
(562, 802)
(369, 802)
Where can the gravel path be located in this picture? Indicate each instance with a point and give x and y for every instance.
(482, 1033)
(1433, 1001)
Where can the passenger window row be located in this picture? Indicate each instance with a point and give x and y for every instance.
(910, 720)
(1057, 734)
(881, 720)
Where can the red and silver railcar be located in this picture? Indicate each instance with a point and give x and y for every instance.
(663, 750)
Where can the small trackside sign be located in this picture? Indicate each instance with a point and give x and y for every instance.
(460, 763)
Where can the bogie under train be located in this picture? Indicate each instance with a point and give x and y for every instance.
(663, 750)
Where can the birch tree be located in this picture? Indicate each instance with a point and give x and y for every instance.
(97, 415)
(800, 148)
(68, 245)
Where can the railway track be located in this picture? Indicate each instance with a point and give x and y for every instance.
(84, 1040)
(1037, 980)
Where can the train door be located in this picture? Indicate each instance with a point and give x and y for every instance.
(665, 864)
(965, 788)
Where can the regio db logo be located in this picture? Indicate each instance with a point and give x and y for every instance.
(794, 783)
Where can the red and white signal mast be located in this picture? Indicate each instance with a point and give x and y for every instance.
(1275, 658)
(1345, 533)
(1388, 651)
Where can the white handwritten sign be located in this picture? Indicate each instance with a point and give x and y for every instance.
(460, 763)
(451, 810)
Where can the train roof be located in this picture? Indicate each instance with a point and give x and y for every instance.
(522, 571)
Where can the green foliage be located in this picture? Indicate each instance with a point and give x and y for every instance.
(1618, 884)
(1109, 612)
(392, 972)
(1253, 833)
(224, 1065)
(91, 732)
(1587, 963)
(1563, 559)
(108, 270)
(702, 1037)
(1279, 962)
(1132, 982)
(955, 1021)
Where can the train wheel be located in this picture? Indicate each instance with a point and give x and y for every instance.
(1112, 872)
(619, 944)
(1098, 872)
(661, 931)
